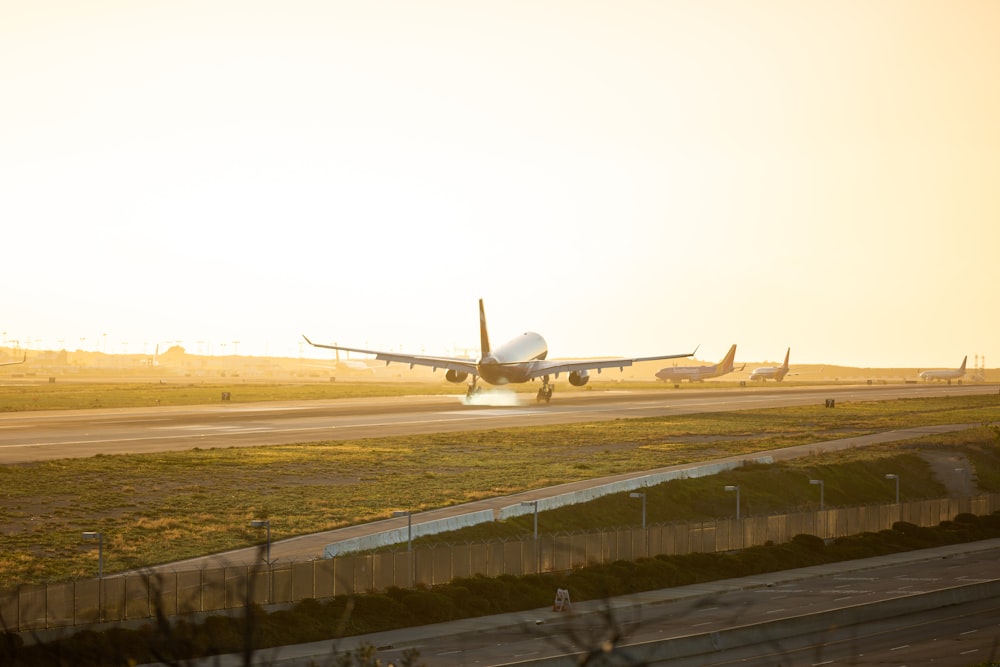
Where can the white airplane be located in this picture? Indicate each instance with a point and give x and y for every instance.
(698, 373)
(776, 373)
(949, 374)
(519, 360)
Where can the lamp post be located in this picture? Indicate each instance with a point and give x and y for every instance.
(409, 541)
(820, 482)
(409, 527)
(895, 477)
(736, 488)
(534, 505)
(94, 535)
(643, 496)
(264, 523)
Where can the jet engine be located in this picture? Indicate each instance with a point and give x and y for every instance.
(579, 378)
(455, 376)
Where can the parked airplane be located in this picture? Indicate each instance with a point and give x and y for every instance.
(776, 373)
(698, 373)
(519, 360)
(948, 374)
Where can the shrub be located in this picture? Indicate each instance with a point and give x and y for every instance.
(810, 542)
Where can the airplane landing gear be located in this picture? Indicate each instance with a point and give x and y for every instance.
(545, 393)
(473, 390)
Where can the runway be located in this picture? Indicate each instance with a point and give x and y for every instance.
(50, 435)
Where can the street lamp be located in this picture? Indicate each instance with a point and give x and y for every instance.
(409, 526)
(736, 488)
(820, 482)
(264, 523)
(895, 477)
(643, 496)
(409, 541)
(93, 535)
(532, 504)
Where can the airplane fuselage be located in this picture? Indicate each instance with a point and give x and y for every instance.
(776, 373)
(510, 363)
(690, 373)
(947, 374)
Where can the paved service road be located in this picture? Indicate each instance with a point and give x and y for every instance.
(959, 635)
(37, 436)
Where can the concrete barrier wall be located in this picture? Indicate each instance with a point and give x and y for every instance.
(401, 535)
(586, 495)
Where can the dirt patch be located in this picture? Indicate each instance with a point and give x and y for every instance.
(953, 470)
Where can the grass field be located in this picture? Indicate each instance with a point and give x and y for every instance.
(163, 507)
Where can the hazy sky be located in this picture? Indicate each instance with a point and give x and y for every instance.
(625, 178)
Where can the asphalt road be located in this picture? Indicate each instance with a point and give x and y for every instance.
(39, 436)
(958, 635)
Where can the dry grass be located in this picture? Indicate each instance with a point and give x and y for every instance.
(163, 507)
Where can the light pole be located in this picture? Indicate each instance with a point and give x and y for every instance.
(94, 535)
(820, 482)
(643, 496)
(409, 527)
(409, 541)
(264, 523)
(736, 488)
(895, 477)
(534, 504)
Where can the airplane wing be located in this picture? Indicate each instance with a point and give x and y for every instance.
(12, 363)
(557, 366)
(456, 364)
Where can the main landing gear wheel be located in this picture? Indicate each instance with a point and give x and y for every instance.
(545, 393)
(473, 390)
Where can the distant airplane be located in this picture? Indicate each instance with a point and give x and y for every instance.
(12, 363)
(776, 373)
(516, 361)
(949, 374)
(698, 373)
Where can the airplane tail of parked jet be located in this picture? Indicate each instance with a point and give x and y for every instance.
(726, 365)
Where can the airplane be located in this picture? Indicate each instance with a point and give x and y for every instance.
(516, 361)
(949, 374)
(12, 363)
(698, 373)
(776, 373)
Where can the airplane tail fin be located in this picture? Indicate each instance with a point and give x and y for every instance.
(785, 365)
(484, 337)
(962, 367)
(726, 365)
